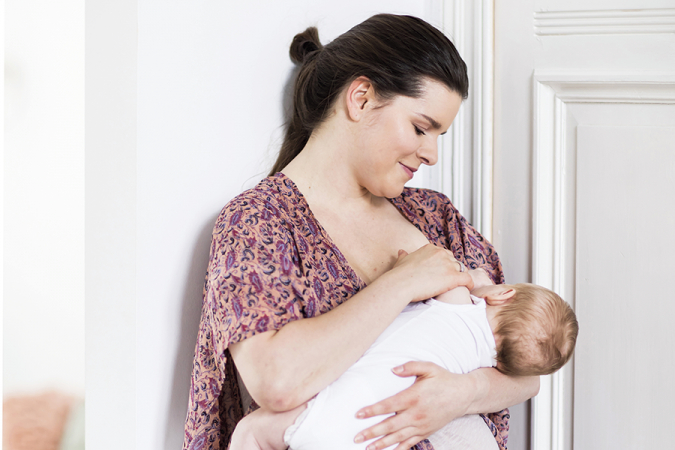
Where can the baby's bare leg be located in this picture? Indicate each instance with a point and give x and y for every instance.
(264, 430)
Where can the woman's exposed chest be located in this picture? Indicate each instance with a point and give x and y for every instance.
(370, 239)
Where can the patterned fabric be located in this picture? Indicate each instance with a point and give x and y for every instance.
(271, 263)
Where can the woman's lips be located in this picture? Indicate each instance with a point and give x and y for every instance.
(408, 170)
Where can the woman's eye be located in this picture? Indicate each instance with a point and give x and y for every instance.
(419, 131)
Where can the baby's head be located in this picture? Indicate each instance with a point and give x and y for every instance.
(535, 330)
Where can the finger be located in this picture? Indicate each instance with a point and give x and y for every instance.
(409, 443)
(468, 279)
(460, 266)
(389, 405)
(415, 369)
(461, 278)
(390, 439)
(461, 272)
(392, 424)
(404, 399)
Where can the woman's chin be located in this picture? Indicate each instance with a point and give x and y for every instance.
(393, 192)
(392, 189)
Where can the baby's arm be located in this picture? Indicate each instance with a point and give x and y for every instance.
(457, 296)
(460, 295)
(264, 430)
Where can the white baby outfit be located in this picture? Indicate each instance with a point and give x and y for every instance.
(456, 337)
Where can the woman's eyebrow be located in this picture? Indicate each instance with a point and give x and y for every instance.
(435, 125)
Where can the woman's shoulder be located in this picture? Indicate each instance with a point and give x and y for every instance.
(274, 203)
(424, 201)
(273, 190)
(273, 198)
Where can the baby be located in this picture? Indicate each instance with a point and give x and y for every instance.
(520, 329)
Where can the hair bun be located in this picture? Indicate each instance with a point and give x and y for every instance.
(304, 44)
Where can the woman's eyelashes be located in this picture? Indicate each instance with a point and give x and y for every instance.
(419, 131)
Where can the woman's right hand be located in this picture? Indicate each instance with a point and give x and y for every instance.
(436, 398)
(428, 272)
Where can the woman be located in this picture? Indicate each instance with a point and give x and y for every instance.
(321, 239)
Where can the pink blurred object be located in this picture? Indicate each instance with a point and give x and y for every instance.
(35, 422)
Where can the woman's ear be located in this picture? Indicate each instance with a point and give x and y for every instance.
(360, 96)
(499, 295)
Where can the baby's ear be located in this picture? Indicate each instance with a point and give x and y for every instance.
(499, 295)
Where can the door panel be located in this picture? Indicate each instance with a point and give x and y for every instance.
(625, 217)
(584, 169)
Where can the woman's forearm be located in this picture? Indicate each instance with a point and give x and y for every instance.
(495, 391)
(284, 368)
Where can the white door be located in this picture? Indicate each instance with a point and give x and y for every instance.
(585, 204)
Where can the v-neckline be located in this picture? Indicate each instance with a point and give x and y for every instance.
(326, 236)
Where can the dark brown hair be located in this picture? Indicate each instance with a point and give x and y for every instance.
(537, 332)
(394, 52)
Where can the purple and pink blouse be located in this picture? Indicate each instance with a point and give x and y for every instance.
(271, 262)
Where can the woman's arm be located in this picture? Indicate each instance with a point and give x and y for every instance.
(495, 391)
(438, 397)
(284, 368)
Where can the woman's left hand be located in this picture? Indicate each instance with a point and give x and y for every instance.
(436, 398)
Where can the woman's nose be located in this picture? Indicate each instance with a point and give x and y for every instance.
(428, 153)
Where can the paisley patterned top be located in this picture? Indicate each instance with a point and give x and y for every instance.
(271, 262)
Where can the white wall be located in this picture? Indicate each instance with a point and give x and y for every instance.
(110, 216)
(43, 323)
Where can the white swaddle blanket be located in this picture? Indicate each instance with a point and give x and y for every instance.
(456, 337)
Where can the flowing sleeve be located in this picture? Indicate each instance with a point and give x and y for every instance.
(253, 284)
(254, 272)
(468, 245)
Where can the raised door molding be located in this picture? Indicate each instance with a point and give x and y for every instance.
(617, 21)
(610, 87)
(554, 206)
(464, 170)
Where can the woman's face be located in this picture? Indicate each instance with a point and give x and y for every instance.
(400, 135)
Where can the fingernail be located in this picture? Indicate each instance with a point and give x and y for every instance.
(370, 447)
(360, 415)
(358, 439)
(397, 369)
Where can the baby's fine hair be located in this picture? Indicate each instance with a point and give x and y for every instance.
(537, 332)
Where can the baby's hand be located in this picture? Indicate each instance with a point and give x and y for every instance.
(480, 278)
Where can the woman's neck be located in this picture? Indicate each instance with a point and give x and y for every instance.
(322, 170)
